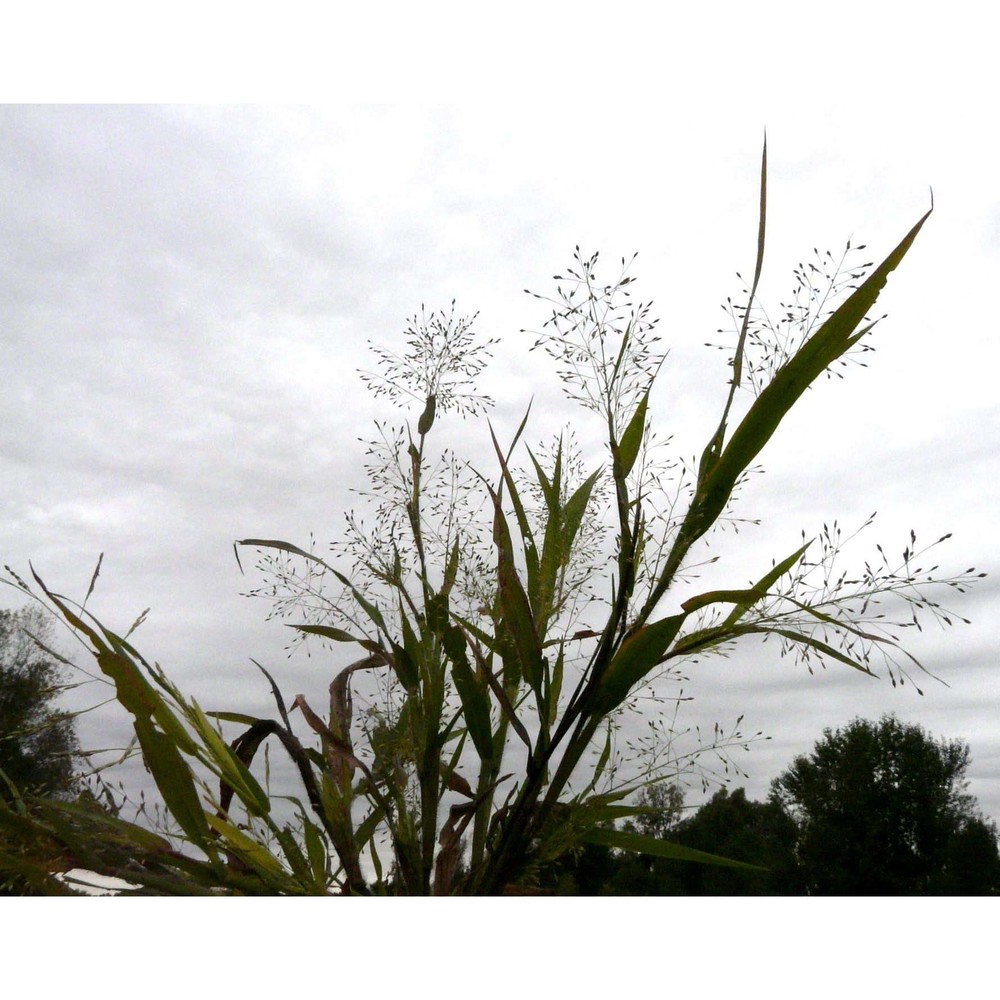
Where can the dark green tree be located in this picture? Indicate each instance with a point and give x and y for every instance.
(730, 826)
(662, 806)
(589, 870)
(37, 740)
(597, 870)
(972, 864)
(882, 809)
(38, 744)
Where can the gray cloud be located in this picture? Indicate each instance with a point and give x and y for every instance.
(187, 293)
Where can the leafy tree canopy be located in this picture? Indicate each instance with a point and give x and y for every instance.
(882, 809)
(37, 740)
(878, 808)
(760, 834)
(38, 743)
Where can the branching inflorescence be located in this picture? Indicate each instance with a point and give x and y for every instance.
(512, 620)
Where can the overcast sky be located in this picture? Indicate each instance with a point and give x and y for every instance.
(187, 292)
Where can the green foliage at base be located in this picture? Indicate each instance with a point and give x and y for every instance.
(881, 809)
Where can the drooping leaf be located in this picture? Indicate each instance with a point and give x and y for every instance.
(338, 746)
(622, 840)
(746, 597)
(272, 543)
(275, 693)
(821, 647)
(250, 851)
(244, 720)
(328, 632)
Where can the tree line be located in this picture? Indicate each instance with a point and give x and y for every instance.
(877, 808)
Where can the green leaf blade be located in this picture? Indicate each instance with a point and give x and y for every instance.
(638, 655)
(624, 841)
(628, 447)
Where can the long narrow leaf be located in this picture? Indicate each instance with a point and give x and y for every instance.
(527, 538)
(229, 765)
(174, 780)
(276, 694)
(761, 230)
(475, 703)
(628, 447)
(576, 507)
(821, 647)
(519, 629)
(744, 598)
(273, 543)
(250, 851)
(829, 343)
(624, 841)
(638, 655)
